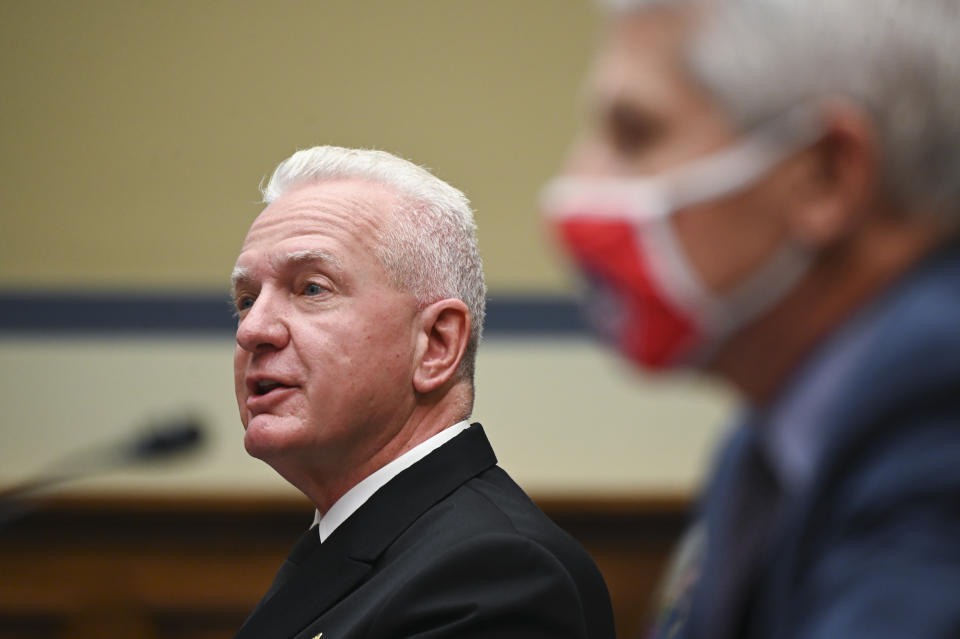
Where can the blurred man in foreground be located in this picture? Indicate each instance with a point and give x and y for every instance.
(769, 191)
(360, 302)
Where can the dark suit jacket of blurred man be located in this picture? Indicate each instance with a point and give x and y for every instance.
(396, 567)
(837, 513)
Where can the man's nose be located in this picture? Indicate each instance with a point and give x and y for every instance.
(588, 156)
(264, 326)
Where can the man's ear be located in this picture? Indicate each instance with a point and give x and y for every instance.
(838, 178)
(443, 337)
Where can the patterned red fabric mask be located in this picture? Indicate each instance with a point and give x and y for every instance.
(642, 292)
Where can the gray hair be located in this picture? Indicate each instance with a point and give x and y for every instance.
(430, 246)
(897, 59)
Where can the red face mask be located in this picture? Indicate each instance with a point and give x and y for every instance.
(643, 294)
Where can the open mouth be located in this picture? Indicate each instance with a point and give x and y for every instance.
(264, 386)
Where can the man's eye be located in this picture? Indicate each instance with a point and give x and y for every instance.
(243, 303)
(313, 289)
(632, 132)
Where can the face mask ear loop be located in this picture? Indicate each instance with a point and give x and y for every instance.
(740, 165)
(724, 173)
(768, 146)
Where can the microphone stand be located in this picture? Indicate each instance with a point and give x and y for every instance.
(162, 439)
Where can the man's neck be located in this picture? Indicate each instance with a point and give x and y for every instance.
(357, 496)
(760, 359)
(324, 485)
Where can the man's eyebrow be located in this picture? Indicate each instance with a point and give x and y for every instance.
(240, 274)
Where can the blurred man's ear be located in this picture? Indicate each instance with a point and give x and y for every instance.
(444, 332)
(837, 183)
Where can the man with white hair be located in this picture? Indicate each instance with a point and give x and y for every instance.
(360, 302)
(769, 191)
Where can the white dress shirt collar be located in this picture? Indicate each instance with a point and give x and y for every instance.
(357, 496)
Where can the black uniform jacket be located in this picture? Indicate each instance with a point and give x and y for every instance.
(450, 547)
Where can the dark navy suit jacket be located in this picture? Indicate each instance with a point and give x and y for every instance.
(451, 547)
(836, 514)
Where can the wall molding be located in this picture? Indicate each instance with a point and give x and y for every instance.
(102, 312)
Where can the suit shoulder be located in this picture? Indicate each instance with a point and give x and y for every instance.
(497, 504)
(490, 529)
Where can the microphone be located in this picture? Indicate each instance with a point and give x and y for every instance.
(170, 437)
(161, 439)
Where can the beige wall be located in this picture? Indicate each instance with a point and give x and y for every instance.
(134, 136)
(565, 418)
(135, 133)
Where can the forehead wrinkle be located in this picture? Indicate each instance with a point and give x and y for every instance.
(361, 214)
(368, 200)
(369, 214)
(358, 214)
(297, 258)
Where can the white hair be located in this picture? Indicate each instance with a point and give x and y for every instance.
(430, 246)
(897, 59)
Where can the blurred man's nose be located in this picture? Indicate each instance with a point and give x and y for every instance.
(589, 157)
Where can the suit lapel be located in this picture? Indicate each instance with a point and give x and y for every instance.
(307, 543)
(739, 520)
(325, 578)
(407, 496)
(330, 571)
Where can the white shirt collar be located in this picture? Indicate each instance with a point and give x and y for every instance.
(357, 496)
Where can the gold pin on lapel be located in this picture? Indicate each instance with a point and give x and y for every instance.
(318, 636)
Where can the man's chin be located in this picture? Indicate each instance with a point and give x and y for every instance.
(267, 436)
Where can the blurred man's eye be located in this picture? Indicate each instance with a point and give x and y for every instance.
(631, 131)
(241, 304)
(314, 289)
